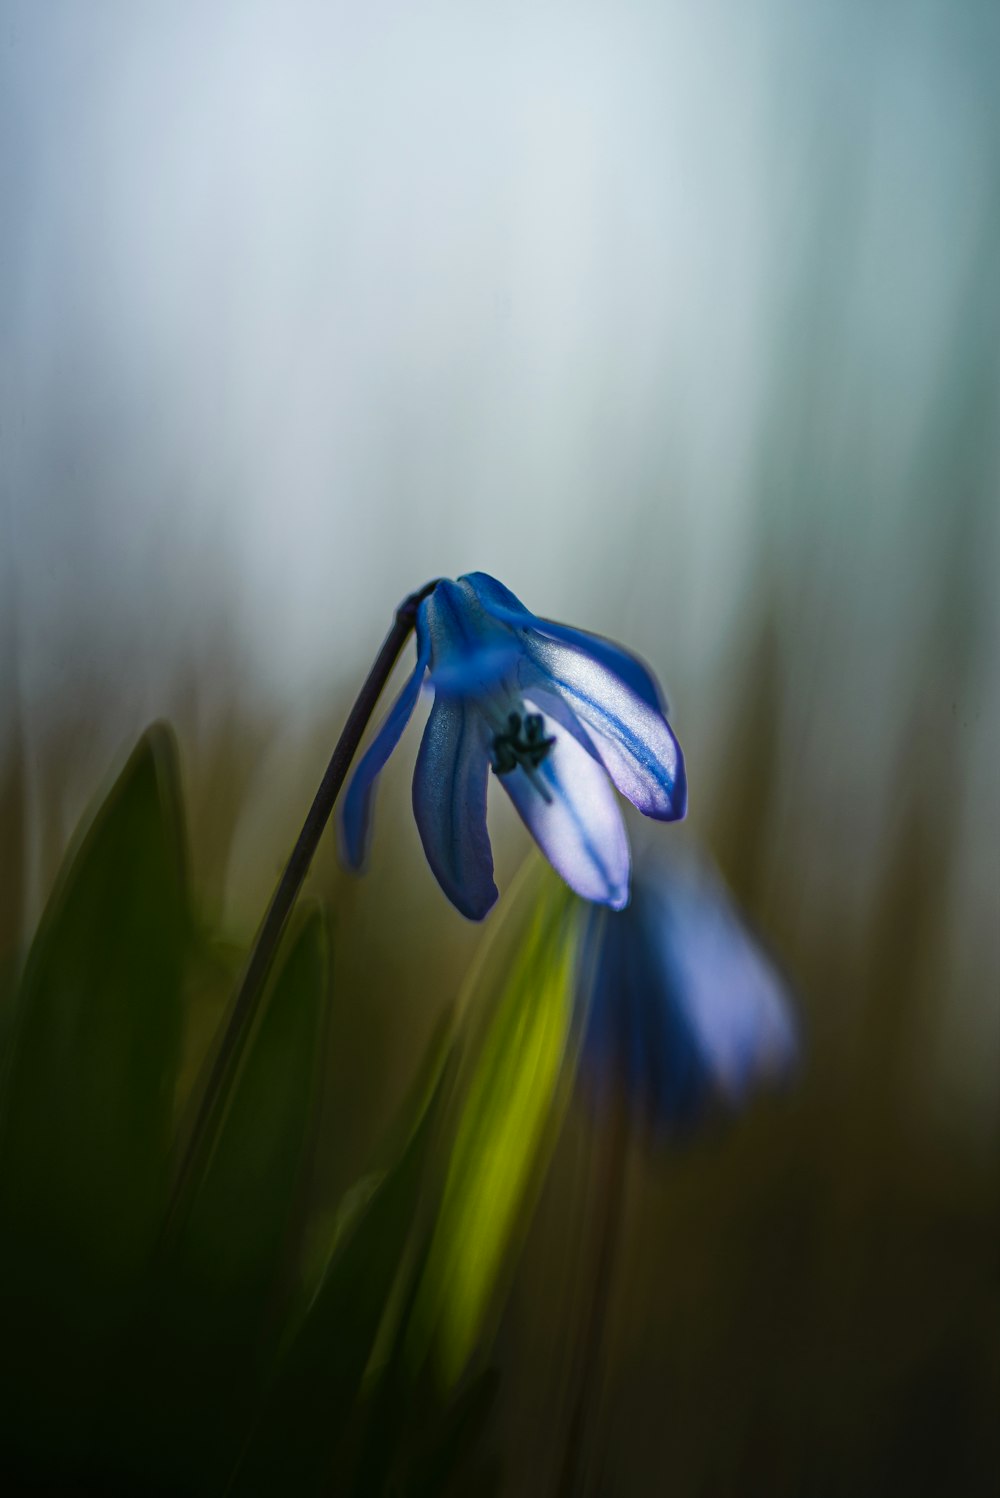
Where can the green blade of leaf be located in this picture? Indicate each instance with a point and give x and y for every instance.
(87, 1108)
(296, 1440)
(512, 1101)
(238, 1216)
(453, 1456)
(211, 1330)
(86, 1120)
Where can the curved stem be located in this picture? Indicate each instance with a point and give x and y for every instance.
(272, 927)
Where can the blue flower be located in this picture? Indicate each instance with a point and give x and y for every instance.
(685, 1014)
(556, 713)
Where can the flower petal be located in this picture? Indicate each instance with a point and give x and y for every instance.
(731, 996)
(686, 1012)
(508, 609)
(633, 738)
(636, 1038)
(611, 691)
(536, 687)
(576, 822)
(356, 803)
(449, 803)
(479, 672)
(470, 651)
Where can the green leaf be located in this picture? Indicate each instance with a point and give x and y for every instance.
(424, 1420)
(212, 1328)
(86, 1119)
(237, 1220)
(453, 1459)
(296, 1440)
(86, 1115)
(513, 1098)
(424, 1442)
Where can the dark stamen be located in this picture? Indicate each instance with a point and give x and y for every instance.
(513, 748)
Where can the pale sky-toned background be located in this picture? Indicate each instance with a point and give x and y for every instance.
(681, 319)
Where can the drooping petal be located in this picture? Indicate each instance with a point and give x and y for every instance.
(730, 995)
(637, 1043)
(480, 672)
(618, 763)
(449, 803)
(536, 687)
(573, 815)
(686, 1013)
(356, 803)
(614, 694)
(470, 651)
(656, 786)
(508, 609)
(634, 740)
(637, 1039)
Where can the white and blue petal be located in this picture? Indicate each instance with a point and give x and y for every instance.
(610, 690)
(507, 608)
(638, 1038)
(568, 805)
(355, 807)
(731, 998)
(634, 739)
(449, 803)
(480, 673)
(471, 653)
(685, 1011)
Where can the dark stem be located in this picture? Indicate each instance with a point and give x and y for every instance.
(608, 1215)
(245, 1004)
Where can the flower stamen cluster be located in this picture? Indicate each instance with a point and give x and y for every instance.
(523, 743)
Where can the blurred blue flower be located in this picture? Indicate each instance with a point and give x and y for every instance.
(685, 1014)
(554, 712)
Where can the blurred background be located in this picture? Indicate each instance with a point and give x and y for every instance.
(684, 321)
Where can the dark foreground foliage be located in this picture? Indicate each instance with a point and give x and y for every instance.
(164, 1343)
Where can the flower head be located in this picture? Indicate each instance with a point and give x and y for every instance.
(685, 1013)
(555, 713)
